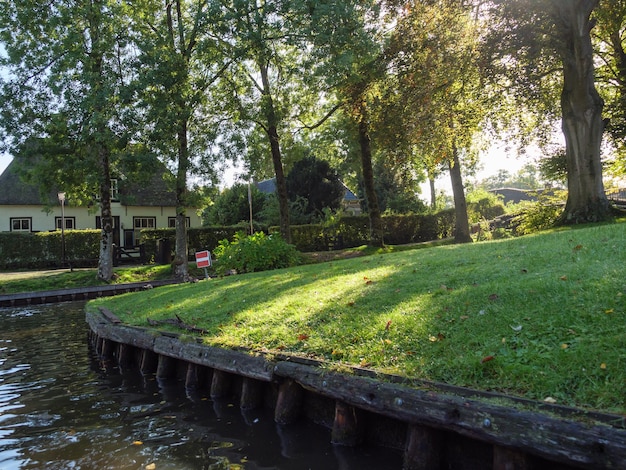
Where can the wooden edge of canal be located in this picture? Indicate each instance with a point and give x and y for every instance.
(519, 433)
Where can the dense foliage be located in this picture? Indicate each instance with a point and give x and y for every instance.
(45, 249)
(387, 91)
(256, 252)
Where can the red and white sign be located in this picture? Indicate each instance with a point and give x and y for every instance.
(203, 259)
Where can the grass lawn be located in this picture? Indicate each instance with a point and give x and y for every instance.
(542, 316)
(33, 281)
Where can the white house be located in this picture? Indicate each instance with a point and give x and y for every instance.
(134, 207)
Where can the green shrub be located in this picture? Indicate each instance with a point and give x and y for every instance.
(256, 252)
(541, 214)
(483, 205)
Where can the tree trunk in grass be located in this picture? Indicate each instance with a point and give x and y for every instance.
(376, 223)
(461, 230)
(582, 114)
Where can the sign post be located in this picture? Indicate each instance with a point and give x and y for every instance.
(203, 260)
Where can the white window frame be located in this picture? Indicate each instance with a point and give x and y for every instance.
(140, 223)
(70, 223)
(21, 220)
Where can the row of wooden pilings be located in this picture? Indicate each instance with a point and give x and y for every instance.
(433, 430)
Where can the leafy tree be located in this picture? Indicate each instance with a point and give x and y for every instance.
(396, 188)
(610, 47)
(348, 49)
(179, 61)
(64, 80)
(268, 48)
(232, 206)
(525, 178)
(436, 91)
(533, 39)
(316, 182)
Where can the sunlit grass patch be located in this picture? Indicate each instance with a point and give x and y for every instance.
(539, 316)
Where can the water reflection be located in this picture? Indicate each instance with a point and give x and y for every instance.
(62, 408)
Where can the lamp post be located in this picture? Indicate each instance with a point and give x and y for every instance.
(62, 201)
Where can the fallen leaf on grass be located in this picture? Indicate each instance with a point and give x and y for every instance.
(563, 278)
(609, 311)
(137, 443)
(603, 366)
(434, 339)
(564, 346)
(388, 325)
(494, 297)
(303, 337)
(487, 359)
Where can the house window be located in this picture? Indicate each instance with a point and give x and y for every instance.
(70, 223)
(115, 192)
(144, 222)
(171, 222)
(22, 224)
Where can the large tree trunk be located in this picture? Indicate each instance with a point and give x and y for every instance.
(461, 231)
(582, 114)
(272, 133)
(181, 264)
(373, 210)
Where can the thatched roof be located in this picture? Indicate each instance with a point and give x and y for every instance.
(154, 191)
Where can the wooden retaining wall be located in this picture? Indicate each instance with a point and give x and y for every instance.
(434, 425)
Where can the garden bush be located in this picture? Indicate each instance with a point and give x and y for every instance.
(256, 252)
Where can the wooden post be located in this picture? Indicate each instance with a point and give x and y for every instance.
(289, 402)
(99, 341)
(510, 459)
(106, 351)
(423, 448)
(149, 361)
(125, 354)
(348, 428)
(166, 369)
(194, 376)
(220, 384)
(251, 394)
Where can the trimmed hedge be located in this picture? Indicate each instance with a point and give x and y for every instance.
(354, 231)
(44, 249)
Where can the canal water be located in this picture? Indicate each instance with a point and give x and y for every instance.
(61, 408)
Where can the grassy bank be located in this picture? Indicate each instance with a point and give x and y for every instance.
(33, 281)
(540, 316)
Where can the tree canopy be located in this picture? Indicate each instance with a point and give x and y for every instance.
(409, 88)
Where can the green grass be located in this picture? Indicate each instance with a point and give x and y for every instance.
(33, 281)
(539, 316)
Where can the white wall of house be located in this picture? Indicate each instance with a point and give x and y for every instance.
(131, 218)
